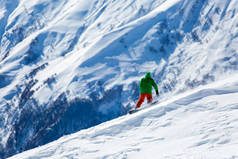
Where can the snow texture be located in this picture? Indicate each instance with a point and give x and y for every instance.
(68, 65)
(199, 124)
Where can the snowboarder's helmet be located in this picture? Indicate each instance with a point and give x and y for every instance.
(148, 74)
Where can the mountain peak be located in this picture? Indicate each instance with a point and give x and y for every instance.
(69, 65)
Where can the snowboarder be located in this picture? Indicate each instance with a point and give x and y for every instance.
(146, 84)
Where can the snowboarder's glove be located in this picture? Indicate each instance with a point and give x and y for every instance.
(157, 92)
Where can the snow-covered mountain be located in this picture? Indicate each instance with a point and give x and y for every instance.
(201, 124)
(67, 65)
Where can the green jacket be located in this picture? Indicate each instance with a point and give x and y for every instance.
(146, 84)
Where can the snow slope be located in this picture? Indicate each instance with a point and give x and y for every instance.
(201, 124)
(67, 65)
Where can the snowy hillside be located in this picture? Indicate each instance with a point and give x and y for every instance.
(202, 124)
(67, 65)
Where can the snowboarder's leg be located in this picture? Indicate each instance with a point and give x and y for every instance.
(141, 100)
(149, 98)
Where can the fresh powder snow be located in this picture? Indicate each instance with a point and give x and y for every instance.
(69, 66)
(200, 124)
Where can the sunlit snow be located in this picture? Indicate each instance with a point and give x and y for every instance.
(69, 65)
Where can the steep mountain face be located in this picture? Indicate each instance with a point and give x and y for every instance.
(201, 123)
(67, 65)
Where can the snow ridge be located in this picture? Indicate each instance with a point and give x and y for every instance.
(197, 124)
(68, 65)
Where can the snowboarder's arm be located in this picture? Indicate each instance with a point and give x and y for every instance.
(155, 87)
(140, 84)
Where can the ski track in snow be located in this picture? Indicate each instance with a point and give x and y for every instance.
(201, 124)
